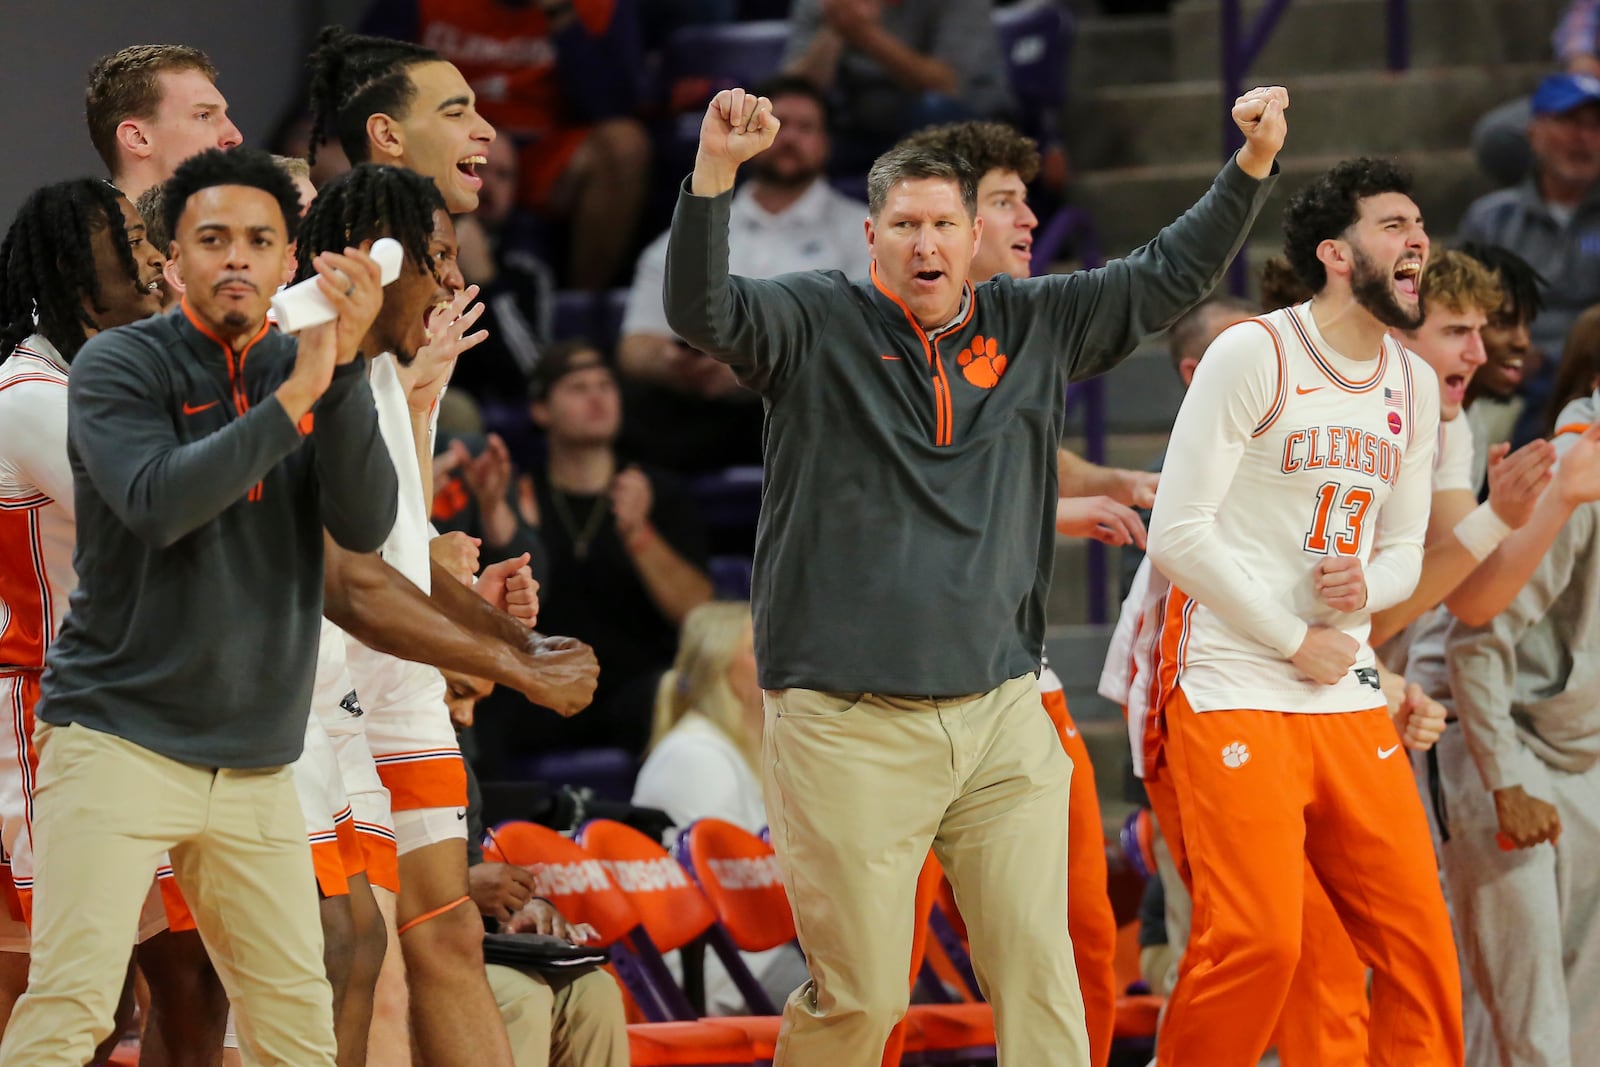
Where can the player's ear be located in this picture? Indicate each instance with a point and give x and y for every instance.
(1334, 256)
(385, 138)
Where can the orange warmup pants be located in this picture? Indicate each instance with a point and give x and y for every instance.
(1258, 795)
(1324, 1022)
(1090, 919)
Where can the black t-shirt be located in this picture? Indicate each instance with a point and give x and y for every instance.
(598, 596)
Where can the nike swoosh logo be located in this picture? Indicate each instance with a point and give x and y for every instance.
(1071, 733)
(1385, 753)
(195, 409)
(461, 815)
(1302, 390)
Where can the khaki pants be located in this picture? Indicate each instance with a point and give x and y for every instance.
(104, 812)
(576, 1023)
(858, 788)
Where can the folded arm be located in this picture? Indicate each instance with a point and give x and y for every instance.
(1232, 392)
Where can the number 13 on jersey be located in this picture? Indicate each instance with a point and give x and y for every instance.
(1338, 524)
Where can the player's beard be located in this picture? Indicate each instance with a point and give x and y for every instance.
(1373, 289)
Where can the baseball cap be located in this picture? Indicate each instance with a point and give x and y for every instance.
(558, 361)
(1560, 93)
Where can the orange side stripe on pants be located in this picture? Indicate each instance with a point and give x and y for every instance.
(1090, 918)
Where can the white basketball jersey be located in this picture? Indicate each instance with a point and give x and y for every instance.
(377, 674)
(1324, 445)
(37, 531)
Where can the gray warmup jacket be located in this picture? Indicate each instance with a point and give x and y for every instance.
(1531, 677)
(193, 630)
(907, 529)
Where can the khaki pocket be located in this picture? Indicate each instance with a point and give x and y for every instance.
(814, 703)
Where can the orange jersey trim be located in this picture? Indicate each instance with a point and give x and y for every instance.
(432, 779)
(1349, 385)
(380, 856)
(1280, 395)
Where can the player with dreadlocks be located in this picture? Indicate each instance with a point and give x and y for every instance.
(427, 617)
(74, 262)
(389, 101)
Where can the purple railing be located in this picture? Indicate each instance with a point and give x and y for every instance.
(1242, 45)
(1075, 226)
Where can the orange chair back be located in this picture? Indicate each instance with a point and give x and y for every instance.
(567, 876)
(672, 909)
(739, 874)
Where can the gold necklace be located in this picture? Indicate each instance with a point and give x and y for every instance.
(591, 525)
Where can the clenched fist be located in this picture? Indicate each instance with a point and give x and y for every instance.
(1341, 583)
(1259, 116)
(561, 674)
(737, 126)
(1325, 654)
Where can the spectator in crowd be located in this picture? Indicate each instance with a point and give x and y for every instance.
(1495, 404)
(551, 1022)
(705, 745)
(1500, 139)
(515, 285)
(149, 108)
(704, 754)
(898, 67)
(1552, 220)
(561, 78)
(685, 407)
(475, 493)
(1579, 373)
(626, 554)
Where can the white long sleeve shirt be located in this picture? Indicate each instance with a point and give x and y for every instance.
(37, 531)
(1286, 451)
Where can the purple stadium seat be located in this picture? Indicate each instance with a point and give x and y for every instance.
(730, 576)
(608, 771)
(701, 61)
(1036, 39)
(730, 497)
(574, 314)
(609, 309)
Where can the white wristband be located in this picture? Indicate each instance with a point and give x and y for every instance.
(1481, 532)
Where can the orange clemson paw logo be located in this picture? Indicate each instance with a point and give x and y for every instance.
(981, 363)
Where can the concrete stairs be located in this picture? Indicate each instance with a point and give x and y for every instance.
(1144, 125)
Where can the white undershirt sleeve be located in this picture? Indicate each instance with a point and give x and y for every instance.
(36, 419)
(1232, 392)
(1396, 561)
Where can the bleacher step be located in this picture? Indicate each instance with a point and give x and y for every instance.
(1131, 204)
(1348, 35)
(1377, 113)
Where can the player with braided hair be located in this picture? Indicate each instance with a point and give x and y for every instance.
(52, 281)
(420, 330)
(74, 262)
(368, 202)
(392, 102)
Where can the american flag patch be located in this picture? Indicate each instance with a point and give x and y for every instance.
(1394, 397)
